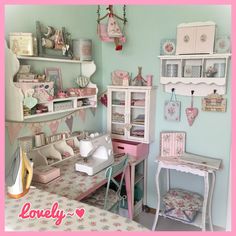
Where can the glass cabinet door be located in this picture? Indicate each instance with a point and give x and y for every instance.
(137, 113)
(118, 105)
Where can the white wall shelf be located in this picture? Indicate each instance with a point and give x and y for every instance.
(15, 93)
(33, 58)
(198, 80)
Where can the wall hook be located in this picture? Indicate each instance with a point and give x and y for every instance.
(215, 91)
(172, 90)
(192, 92)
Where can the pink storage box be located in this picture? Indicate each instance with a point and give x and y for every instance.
(135, 149)
(45, 174)
(172, 144)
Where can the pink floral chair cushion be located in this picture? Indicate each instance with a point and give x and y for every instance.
(181, 204)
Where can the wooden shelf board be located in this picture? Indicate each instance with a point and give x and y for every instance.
(55, 112)
(33, 58)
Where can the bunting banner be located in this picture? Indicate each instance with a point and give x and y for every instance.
(82, 114)
(93, 110)
(13, 130)
(69, 122)
(53, 125)
(35, 127)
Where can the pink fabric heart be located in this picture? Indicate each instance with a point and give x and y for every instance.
(80, 212)
(191, 114)
(54, 126)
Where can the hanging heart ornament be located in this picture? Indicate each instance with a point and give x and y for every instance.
(191, 112)
(30, 101)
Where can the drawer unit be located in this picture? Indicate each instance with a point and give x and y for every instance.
(135, 149)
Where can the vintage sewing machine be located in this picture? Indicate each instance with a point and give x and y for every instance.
(97, 153)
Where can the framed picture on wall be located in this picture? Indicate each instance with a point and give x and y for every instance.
(54, 75)
(168, 46)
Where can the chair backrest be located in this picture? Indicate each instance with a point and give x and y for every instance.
(111, 172)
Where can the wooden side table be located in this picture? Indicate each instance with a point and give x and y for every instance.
(196, 168)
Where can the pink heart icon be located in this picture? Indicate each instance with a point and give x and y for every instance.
(80, 212)
(191, 114)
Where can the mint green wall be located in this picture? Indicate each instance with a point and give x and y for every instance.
(210, 135)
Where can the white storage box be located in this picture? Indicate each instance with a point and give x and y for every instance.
(23, 44)
(195, 37)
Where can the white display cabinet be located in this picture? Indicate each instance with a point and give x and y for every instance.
(202, 73)
(131, 112)
(15, 94)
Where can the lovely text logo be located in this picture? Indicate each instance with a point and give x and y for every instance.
(53, 213)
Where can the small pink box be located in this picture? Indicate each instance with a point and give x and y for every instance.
(172, 144)
(135, 149)
(45, 174)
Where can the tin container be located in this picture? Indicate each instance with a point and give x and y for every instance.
(23, 44)
(76, 49)
(220, 68)
(85, 49)
(172, 70)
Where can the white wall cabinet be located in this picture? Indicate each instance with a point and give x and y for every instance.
(15, 92)
(131, 112)
(191, 72)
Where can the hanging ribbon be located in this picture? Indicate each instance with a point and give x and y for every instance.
(69, 122)
(13, 130)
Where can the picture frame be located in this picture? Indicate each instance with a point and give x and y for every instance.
(54, 74)
(167, 47)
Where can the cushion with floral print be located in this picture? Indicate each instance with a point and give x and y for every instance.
(182, 199)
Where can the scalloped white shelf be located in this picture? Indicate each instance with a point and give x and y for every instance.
(201, 85)
(185, 80)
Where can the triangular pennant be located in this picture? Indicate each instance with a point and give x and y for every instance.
(69, 122)
(82, 114)
(36, 128)
(93, 110)
(54, 126)
(13, 131)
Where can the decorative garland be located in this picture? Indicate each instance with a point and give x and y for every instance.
(14, 127)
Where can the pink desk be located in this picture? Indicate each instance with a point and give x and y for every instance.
(77, 185)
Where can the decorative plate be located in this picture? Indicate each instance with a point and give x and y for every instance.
(222, 44)
(168, 46)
